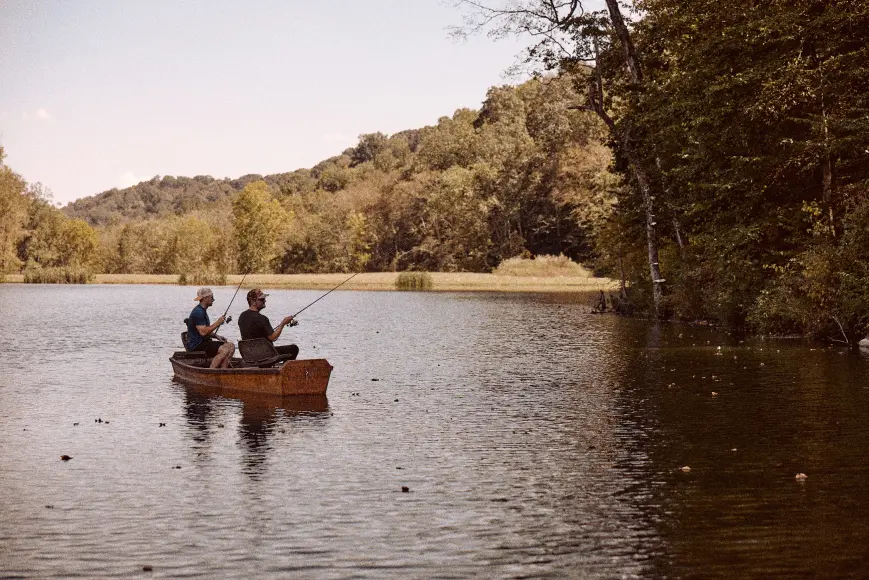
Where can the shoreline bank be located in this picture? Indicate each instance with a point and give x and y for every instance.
(441, 282)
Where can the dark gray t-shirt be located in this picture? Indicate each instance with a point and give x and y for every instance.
(254, 325)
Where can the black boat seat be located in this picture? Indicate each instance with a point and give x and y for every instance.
(184, 343)
(261, 352)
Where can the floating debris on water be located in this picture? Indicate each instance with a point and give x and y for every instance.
(685, 469)
(405, 489)
(65, 457)
(801, 477)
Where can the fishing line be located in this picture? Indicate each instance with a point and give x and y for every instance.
(228, 319)
(323, 296)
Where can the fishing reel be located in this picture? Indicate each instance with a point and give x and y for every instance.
(228, 319)
(294, 322)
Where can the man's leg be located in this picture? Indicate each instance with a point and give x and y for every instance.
(224, 353)
(288, 349)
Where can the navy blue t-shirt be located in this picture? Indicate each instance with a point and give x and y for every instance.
(199, 317)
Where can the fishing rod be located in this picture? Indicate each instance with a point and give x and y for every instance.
(294, 322)
(228, 319)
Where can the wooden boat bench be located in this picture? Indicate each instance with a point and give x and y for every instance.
(260, 352)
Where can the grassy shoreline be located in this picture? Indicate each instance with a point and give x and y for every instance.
(442, 282)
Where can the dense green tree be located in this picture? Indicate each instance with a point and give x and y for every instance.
(258, 219)
(77, 244)
(772, 110)
(13, 210)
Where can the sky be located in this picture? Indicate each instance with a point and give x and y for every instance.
(103, 94)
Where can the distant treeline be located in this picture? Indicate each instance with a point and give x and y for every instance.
(523, 175)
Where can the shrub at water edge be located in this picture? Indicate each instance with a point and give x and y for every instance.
(201, 278)
(542, 265)
(414, 281)
(59, 275)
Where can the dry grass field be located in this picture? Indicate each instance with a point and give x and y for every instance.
(444, 282)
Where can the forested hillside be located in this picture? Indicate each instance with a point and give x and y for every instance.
(522, 174)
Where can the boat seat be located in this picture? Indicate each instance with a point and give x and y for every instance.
(261, 352)
(184, 343)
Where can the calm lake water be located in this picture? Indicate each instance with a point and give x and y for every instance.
(536, 440)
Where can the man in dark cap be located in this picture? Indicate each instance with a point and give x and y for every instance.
(253, 324)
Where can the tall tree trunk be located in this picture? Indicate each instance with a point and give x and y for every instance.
(644, 183)
(827, 167)
(624, 35)
(827, 184)
(635, 158)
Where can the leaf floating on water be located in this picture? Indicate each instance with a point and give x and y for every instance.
(65, 457)
(405, 489)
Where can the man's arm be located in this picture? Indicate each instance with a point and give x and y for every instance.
(207, 330)
(277, 332)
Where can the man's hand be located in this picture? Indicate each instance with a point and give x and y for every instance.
(287, 321)
(221, 320)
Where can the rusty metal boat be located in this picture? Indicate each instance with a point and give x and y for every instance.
(293, 377)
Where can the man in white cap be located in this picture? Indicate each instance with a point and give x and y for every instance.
(200, 332)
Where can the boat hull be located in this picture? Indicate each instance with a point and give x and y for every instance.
(296, 377)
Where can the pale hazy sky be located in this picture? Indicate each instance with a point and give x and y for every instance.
(102, 94)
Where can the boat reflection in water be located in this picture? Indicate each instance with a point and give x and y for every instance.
(260, 418)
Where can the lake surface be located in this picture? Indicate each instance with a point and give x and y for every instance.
(537, 441)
